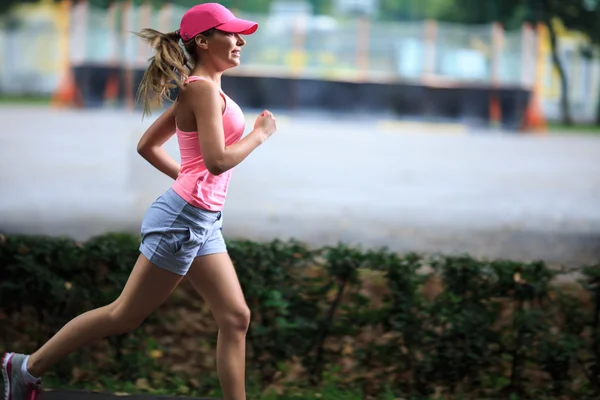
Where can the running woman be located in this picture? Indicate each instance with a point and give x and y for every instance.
(181, 231)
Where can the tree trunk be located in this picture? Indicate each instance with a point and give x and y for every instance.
(564, 84)
(598, 108)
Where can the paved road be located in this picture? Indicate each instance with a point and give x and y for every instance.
(323, 180)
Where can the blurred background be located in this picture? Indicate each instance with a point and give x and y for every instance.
(428, 125)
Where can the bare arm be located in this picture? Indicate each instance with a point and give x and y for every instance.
(150, 145)
(207, 109)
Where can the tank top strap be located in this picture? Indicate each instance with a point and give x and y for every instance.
(194, 78)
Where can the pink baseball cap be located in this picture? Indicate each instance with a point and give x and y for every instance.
(206, 16)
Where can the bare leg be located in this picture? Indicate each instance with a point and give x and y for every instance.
(214, 278)
(147, 288)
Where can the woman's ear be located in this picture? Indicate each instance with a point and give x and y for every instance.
(201, 41)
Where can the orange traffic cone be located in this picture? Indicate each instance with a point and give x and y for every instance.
(111, 91)
(67, 94)
(495, 111)
(533, 120)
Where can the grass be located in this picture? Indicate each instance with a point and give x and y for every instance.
(24, 100)
(575, 128)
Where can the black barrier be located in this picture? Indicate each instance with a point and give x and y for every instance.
(92, 80)
(466, 104)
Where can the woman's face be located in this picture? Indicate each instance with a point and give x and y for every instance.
(222, 49)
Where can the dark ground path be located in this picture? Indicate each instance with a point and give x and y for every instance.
(50, 394)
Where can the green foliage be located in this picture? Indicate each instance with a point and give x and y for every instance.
(335, 322)
(512, 14)
(574, 15)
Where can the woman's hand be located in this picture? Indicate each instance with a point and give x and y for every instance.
(266, 123)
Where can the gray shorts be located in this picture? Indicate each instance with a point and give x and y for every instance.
(175, 232)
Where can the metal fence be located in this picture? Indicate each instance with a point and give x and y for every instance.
(306, 46)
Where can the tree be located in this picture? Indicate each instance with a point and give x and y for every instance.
(583, 16)
(549, 8)
(575, 15)
(6, 5)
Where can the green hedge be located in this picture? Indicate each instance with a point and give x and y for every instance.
(369, 321)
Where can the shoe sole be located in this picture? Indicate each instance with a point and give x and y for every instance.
(6, 367)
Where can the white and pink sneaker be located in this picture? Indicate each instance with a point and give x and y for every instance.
(17, 385)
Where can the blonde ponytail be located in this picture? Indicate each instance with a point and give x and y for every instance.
(168, 67)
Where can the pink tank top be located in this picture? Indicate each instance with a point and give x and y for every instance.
(195, 184)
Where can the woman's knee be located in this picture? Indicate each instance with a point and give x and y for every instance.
(124, 319)
(236, 320)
